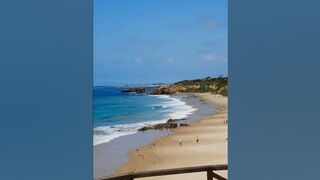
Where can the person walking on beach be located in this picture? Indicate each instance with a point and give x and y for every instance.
(180, 142)
(197, 139)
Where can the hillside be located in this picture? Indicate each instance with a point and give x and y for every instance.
(217, 85)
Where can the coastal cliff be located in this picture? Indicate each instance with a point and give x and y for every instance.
(217, 85)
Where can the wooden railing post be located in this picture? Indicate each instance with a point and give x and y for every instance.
(217, 176)
(209, 175)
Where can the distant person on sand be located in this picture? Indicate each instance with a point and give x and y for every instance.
(180, 142)
(197, 139)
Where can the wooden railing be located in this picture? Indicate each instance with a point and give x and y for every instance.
(209, 169)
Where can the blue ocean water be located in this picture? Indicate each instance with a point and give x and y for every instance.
(117, 114)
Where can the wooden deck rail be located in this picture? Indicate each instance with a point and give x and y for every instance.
(209, 169)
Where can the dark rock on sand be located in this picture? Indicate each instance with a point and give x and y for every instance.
(184, 124)
(171, 123)
(145, 128)
(171, 120)
(175, 120)
(167, 125)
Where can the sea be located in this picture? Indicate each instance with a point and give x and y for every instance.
(118, 114)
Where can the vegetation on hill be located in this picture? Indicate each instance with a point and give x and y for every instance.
(217, 85)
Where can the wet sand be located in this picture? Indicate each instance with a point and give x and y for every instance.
(165, 152)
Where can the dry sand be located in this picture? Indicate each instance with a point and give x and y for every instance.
(165, 152)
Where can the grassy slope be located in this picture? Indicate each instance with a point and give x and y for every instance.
(217, 85)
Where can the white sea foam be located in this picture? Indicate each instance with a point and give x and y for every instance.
(103, 134)
(175, 109)
(178, 108)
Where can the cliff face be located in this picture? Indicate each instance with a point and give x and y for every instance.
(214, 85)
(167, 89)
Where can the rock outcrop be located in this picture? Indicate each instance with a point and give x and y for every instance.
(134, 90)
(170, 124)
(163, 90)
(184, 124)
(167, 125)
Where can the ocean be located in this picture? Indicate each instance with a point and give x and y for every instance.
(118, 114)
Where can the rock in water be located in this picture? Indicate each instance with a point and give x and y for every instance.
(135, 90)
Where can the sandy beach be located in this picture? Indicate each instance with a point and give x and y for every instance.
(165, 152)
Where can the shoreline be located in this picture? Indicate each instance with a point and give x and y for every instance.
(177, 115)
(164, 152)
(111, 155)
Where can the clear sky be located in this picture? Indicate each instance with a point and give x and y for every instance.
(153, 41)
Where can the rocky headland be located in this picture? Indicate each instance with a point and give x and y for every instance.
(214, 85)
(217, 85)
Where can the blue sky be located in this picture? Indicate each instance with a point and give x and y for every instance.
(153, 41)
